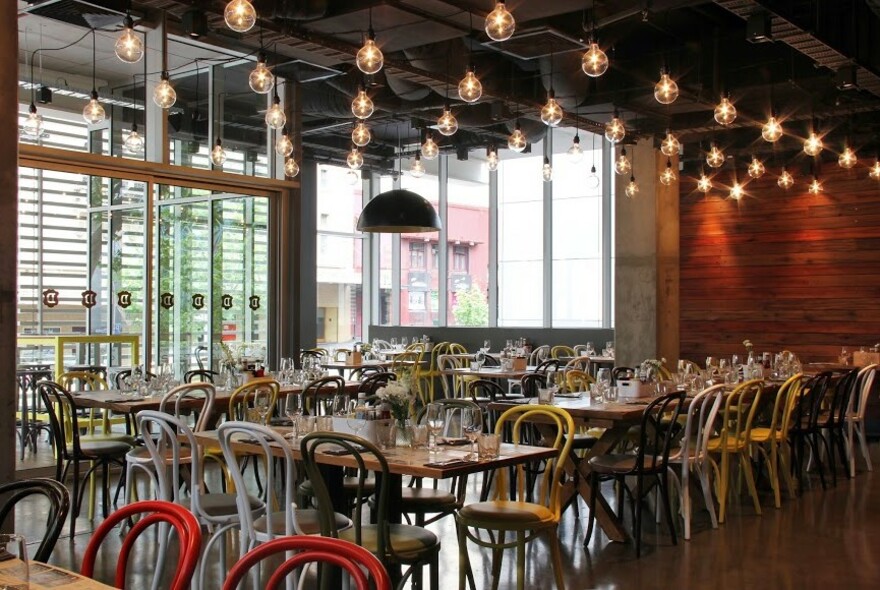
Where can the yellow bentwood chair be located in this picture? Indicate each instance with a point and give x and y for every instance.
(504, 513)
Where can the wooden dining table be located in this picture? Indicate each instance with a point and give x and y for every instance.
(45, 577)
(616, 418)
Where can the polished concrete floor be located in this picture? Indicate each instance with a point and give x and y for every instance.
(823, 539)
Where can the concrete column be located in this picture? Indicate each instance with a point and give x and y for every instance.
(9, 237)
(635, 277)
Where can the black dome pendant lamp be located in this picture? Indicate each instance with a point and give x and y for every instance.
(399, 211)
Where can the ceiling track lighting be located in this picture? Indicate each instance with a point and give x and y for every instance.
(218, 154)
(129, 47)
(666, 90)
(261, 80)
(725, 112)
(240, 16)
(500, 24)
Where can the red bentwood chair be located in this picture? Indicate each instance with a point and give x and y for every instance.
(338, 552)
(185, 524)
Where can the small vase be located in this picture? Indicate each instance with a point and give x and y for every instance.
(402, 436)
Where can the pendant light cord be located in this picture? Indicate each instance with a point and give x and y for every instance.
(94, 57)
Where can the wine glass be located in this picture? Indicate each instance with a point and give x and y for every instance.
(340, 404)
(263, 403)
(293, 407)
(356, 418)
(487, 345)
(472, 426)
(435, 417)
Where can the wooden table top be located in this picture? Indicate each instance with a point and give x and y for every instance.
(347, 365)
(117, 401)
(407, 461)
(489, 372)
(47, 577)
(583, 409)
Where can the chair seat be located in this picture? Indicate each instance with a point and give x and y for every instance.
(762, 434)
(427, 500)
(616, 464)
(103, 448)
(349, 484)
(730, 444)
(406, 541)
(500, 514)
(222, 504)
(306, 520)
(142, 455)
(112, 436)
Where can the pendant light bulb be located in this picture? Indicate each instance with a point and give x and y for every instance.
(470, 89)
(670, 145)
(134, 142)
(291, 168)
(847, 159)
(447, 124)
(547, 170)
(575, 152)
(551, 113)
(666, 90)
(355, 159)
(164, 94)
(360, 135)
(622, 165)
(362, 106)
(218, 154)
(668, 176)
(275, 117)
(283, 145)
(517, 140)
(813, 144)
(715, 157)
(129, 46)
(771, 130)
(93, 112)
(369, 57)
(725, 112)
(492, 159)
(594, 63)
(430, 149)
(615, 130)
(736, 191)
(815, 186)
(261, 79)
(756, 168)
(632, 189)
(417, 168)
(593, 179)
(33, 125)
(240, 16)
(785, 180)
(874, 172)
(500, 24)
(704, 183)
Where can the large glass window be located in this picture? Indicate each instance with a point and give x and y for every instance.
(339, 258)
(420, 272)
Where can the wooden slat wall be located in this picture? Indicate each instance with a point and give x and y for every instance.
(784, 269)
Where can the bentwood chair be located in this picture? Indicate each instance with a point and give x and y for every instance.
(305, 550)
(321, 389)
(152, 512)
(659, 427)
(72, 448)
(510, 511)
(59, 506)
(561, 351)
(393, 544)
(200, 375)
(832, 421)
(804, 430)
(855, 417)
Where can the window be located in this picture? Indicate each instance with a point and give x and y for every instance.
(420, 278)
(460, 259)
(417, 255)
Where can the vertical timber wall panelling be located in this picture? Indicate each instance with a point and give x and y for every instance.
(668, 244)
(784, 269)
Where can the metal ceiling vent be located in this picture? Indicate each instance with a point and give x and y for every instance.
(79, 12)
(535, 43)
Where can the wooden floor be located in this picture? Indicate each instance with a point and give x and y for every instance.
(824, 539)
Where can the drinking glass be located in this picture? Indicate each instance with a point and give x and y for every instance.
(16, 546)
(489, 445)
(435, 418)
(263, 403)
(356, 417)
(710, 362)
(340, 404)
(393, 343)
(603, 377)
(735, 361)
(472, 426)
(487, 345)
(293, 407)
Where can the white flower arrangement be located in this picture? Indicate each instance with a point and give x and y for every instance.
(397, 396)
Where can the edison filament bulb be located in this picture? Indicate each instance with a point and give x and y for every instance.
(492, 159)
(771, 130)
(164, 94)
(447, 124)
(134, 143)
(500, 24)
(715, 157)
(369, 57)
(668, 176)
(813, 144)
(291, 168)
(470, 89)
(704, 184)
(756, 168)
(815, 187)
(670, 145)
(362, 106)
(736, 191)
(874, 172)
(622, 164)
(785, 180)
(430, 149)
(615, 131)
(218, 154)
(575, 152)
(93, 112)
(240, 16)
(355, 159)
(725, 112)
(275, 117)
(360, 135)
(283, 145)
(551, 113)
(547, 170)
(33, 125)
(847, 159)
(632, 189)
(129, 46)
(666, 90)
(517, 140)
(261, 79)
(594, 63)
(417, 168)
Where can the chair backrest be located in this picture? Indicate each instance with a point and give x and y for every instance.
(702, 413)
(539, 354)
(581, 363)
(843, 391)
(274, 480)
(740, 408)
(180, 400)
(807, 405)
(309, 549)
(75, 381)
(371, 383)
(659, 428)
(341, 354)
(364, 371)
(530, 383)
(363, 452)
(326, 388)
(485, 388)
(548, 365)
(171, 441)
(201, 354)
(784, 403)
(200, 375)
(577, 380)
(580, 349)
(404, 364)
(456, 348)
(121, 376)
(859, 401)
(62, 419)
(243, 397)
(512, 422)
(380, 344)
(618, 373)
(186, 525)
(561, 350)
(59, 506)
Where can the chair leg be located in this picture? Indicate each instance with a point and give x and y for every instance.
(745, 465)
(77, 500)
(497, 558)
(863, 443)
(774, 473)
(707, 495)
(724, 484)
(520, 560)
(556, 557)
(637, 526)
(664, 496)
(594, 491)
(464, 564)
